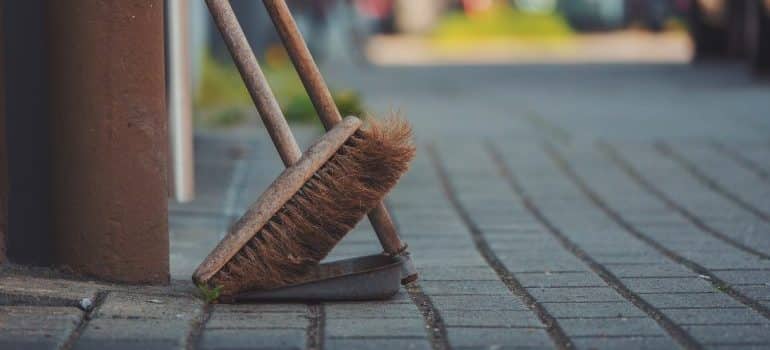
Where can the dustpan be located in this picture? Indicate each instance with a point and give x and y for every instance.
(372, 277)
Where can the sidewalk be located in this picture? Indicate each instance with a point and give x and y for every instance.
(623, 206)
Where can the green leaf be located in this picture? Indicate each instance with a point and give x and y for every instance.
(208, 294)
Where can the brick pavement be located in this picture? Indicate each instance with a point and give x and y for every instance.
(546, 225)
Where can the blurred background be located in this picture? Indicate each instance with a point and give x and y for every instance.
(465, 32)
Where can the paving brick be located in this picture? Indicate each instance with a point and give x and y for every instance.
(668, 285)
(433, 260)
(742, 315)
(731, 333)
(477, 302)
(498, 337)
(649, 270)
(560, 279)
(378, 343)
(561, 261)
(592, 309)
(739, 345)
(18, 289)
(715, 300)
(758, 292)
(346, 328)
(226, 320)
(126, 320)
(626, 257)
(592, 294)
(490, 318)
(122, 333)
(253, 339)
(630, 343)
(150, 306)
(744, 277)
(619, 326)
(435, 288)
(734, 261)
(444, 273)
(292, 308)
(362, 311)
(37, 327)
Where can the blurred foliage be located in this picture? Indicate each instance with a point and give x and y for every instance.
(676, 24)
(349, 102)
(220, 85)
(300, 108)
(501, 22)
(223, 117)
(223, 101)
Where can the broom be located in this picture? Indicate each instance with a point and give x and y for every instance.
(329, 114)
(320, 197)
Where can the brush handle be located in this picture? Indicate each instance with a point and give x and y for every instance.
(303, 61)
(256, 83)
(327, 110)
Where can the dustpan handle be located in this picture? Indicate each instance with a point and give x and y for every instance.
(256, 83)
(327, 110)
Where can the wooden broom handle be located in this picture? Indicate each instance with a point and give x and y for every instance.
(325, 106)
(303, 61)
(256, 83)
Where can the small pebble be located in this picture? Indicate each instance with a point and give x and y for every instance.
(705, 277)
(86, 304)
(155, 301)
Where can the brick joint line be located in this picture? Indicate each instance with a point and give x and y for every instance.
(434, 323)
(692, 169)
(75, 335)
(197, 325)
(677, 333)
(546, 127)
(554, 330)
(696, 268)
(743, 161)
(637, 177)
(316, 326)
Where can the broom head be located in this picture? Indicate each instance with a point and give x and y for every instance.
(310, 207)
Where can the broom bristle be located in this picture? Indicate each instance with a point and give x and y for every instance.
(323, 211)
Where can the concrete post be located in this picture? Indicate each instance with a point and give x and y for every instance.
(110, 138)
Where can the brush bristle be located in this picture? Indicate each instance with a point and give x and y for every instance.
(327, 207)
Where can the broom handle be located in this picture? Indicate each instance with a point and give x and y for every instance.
(256, 83)
(326, 108)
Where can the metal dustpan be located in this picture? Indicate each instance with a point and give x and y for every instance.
(371, 277)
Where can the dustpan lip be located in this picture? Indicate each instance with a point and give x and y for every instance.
(378, 282)
(394, 261)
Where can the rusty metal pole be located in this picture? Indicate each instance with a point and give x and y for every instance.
(110, 138)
